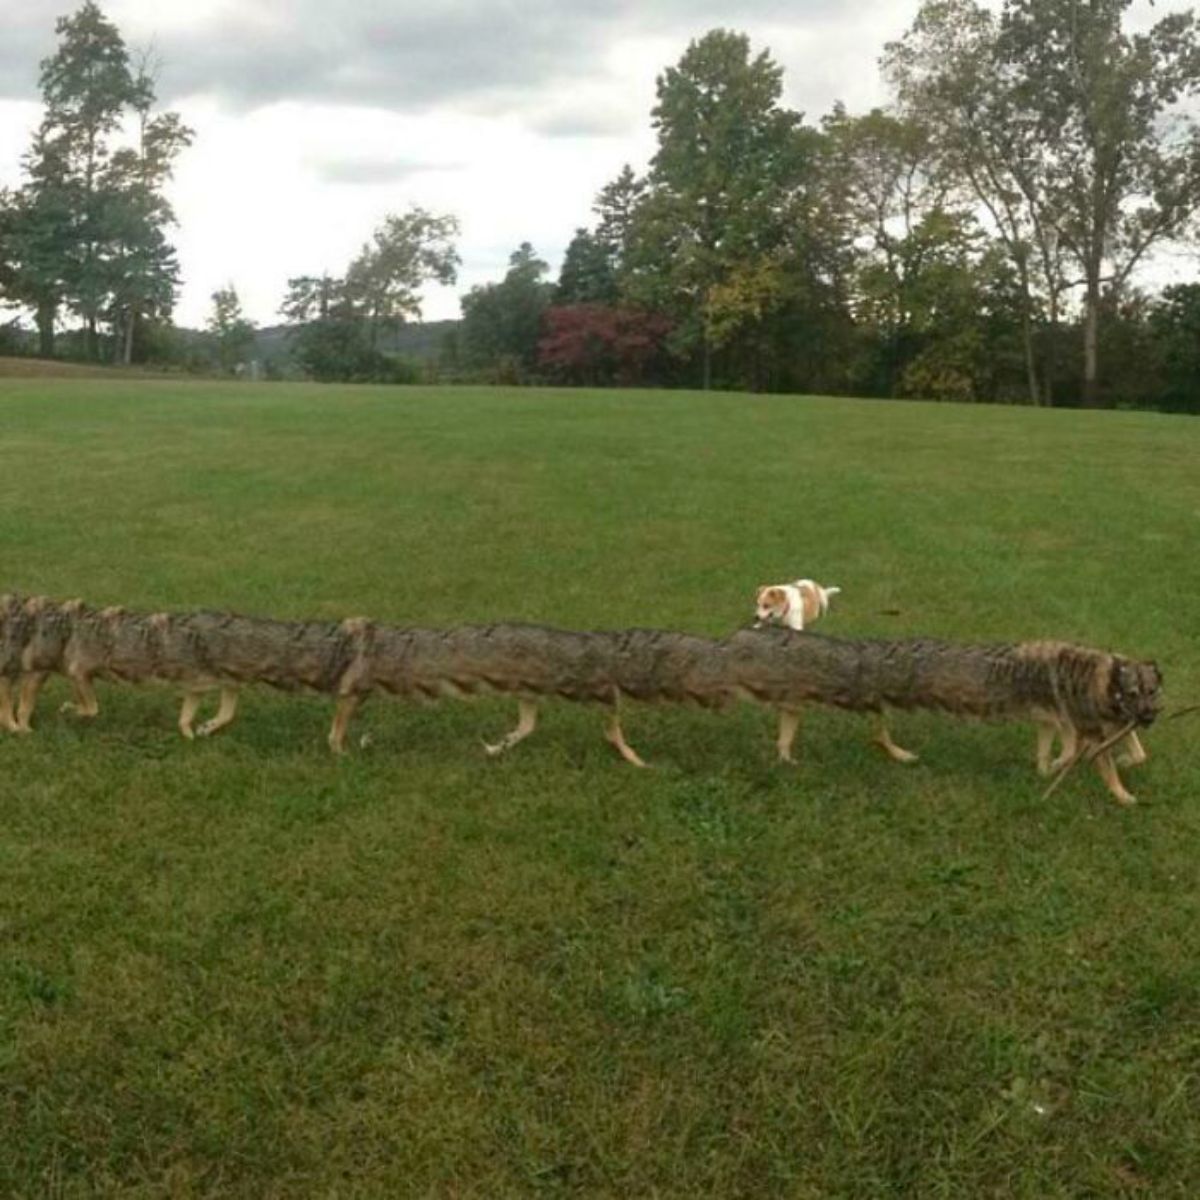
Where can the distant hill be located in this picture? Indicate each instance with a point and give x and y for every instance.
(36, 368)
(421, 342)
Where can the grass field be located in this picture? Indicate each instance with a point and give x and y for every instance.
(240, 968)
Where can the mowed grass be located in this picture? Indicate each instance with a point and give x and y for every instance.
(241, 968)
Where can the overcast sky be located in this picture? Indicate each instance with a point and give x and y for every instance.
(314, 119)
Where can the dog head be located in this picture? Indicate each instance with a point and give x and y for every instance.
(1135, 690)
(771, 604)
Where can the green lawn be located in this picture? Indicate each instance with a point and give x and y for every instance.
(241, 968)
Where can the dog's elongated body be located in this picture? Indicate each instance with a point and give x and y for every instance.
(199, 651)
(522, 660)
(796, 606)
(133, 647)
(84, 644)
(15, 619)
(234, 650)
(1085, 696)
(1079, 693)
(44, 630)
(291, 656)
(1082, 694)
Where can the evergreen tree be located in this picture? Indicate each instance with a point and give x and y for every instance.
(91, 219)
(587, 275)
(502, 321)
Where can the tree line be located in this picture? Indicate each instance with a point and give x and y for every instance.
(86, 233)
(985, 237)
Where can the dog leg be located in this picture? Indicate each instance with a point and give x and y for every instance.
(615, 737)
(526, 723)
(8, 719)
(1135, 752)
(1045, 744)
(225, 713)
(1108, 772)
(187, 713)
(347, 706)
(789, 722)
(1070, 747)
(884, 738)
(85, 703)
(31, 684)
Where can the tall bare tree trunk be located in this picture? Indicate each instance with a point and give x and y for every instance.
(127, 349)
(46, 312)
(1091, 327)
(1030, 365)
(1027, 330)
(1051, 351)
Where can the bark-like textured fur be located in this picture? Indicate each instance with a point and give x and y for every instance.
(1091, 689)
(1082, 694)
(512, 659)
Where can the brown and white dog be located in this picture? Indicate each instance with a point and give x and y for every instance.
(796, 605)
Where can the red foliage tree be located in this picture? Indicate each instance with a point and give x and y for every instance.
(594, 344)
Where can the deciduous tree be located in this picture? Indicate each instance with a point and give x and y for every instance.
(338, 320)
(91, 217)
(720, 199)
(1070, 129)
(408, 250)
(596, 345)
(232, 333)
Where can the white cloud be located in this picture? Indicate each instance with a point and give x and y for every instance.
(315, 120)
